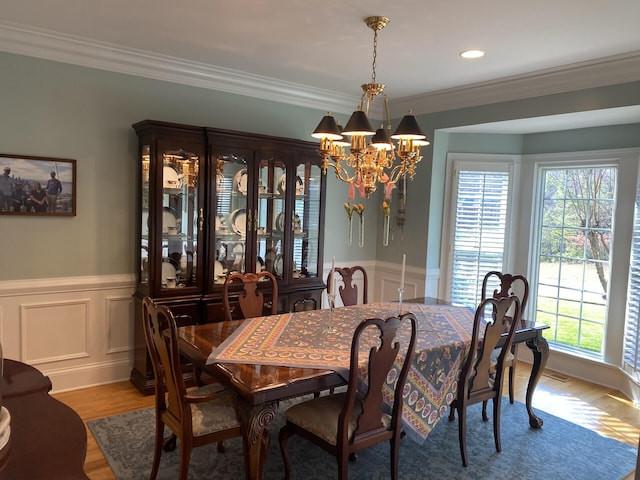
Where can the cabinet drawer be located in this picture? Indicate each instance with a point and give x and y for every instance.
(298, 302)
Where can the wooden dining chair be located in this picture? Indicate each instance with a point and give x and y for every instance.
(481, 376)
(250, 294)
(508, 285)
(197, 417)
(349, 291)
(347, 422)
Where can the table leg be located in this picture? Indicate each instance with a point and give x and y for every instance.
(540, 349)
(255, 436)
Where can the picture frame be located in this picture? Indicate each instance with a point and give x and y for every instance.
(37, 186)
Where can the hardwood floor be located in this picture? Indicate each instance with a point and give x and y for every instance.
(600, 409)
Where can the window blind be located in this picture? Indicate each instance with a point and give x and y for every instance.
(631, 336)
(479, 231)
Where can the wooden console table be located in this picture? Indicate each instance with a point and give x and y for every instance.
(48, 438)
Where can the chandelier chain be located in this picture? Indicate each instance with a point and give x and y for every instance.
(375, 54)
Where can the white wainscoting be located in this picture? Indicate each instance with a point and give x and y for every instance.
(418, 282)
(78, 331)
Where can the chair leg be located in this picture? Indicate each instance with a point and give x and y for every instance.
(185, 457)
(343, 465)
(395, 452)
(221, 447)
(512, 373)
(485, 417)
(462, 435)
(169, 444)
(511, 380)
(157, 451)
(497, 402)
(283, 437)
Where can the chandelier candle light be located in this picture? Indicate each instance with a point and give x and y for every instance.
(380, 161)
(331, 297)
(401, 289)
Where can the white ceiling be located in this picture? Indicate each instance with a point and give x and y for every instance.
(325, 47)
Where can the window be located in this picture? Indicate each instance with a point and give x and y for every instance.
(574, 241)
(477, 238)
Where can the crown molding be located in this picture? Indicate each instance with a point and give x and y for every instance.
(48, 45)
(579, 76)
(58, 47)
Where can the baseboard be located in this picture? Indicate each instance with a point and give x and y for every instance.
(89, 375)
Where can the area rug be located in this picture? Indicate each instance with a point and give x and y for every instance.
(560, 450)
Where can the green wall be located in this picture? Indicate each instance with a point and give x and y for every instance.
(618, 136)
(58, 110)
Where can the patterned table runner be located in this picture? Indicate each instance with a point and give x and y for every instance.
(299, 340)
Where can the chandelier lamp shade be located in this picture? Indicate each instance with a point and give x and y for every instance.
(366, 157)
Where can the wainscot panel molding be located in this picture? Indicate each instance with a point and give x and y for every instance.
(76, 330)
(417, 282)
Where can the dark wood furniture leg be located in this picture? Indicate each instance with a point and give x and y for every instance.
(254, 420)
(540, 349)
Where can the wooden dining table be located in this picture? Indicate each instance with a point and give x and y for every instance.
(265, 360)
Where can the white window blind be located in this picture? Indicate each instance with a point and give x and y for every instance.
(481, 208)
(632, 335)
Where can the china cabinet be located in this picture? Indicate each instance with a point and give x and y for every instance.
(213, 202)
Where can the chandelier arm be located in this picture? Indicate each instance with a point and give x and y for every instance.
(395, 173)
(341, 173)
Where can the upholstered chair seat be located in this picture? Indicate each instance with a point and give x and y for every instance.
(320, 416)
(213, 415)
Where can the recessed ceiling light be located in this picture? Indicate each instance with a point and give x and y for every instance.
(472, 54)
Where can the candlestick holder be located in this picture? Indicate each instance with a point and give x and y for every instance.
(331, 297)
(400, 295)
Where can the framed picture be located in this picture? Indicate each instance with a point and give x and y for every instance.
(37, 186)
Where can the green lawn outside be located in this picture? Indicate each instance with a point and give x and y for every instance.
(568, 325)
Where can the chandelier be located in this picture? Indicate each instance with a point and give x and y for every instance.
(378, 161)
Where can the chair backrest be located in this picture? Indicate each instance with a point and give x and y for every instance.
(161, 337)
(481, 377)
(250, 294)
(509, 285)
(349, 291)
(386, 351)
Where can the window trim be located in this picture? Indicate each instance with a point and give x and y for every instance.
(627, 161)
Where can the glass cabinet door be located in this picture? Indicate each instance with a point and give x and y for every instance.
(232, 217)
(181, 219)
(145, 221)
(305, 221)
(270, 215)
